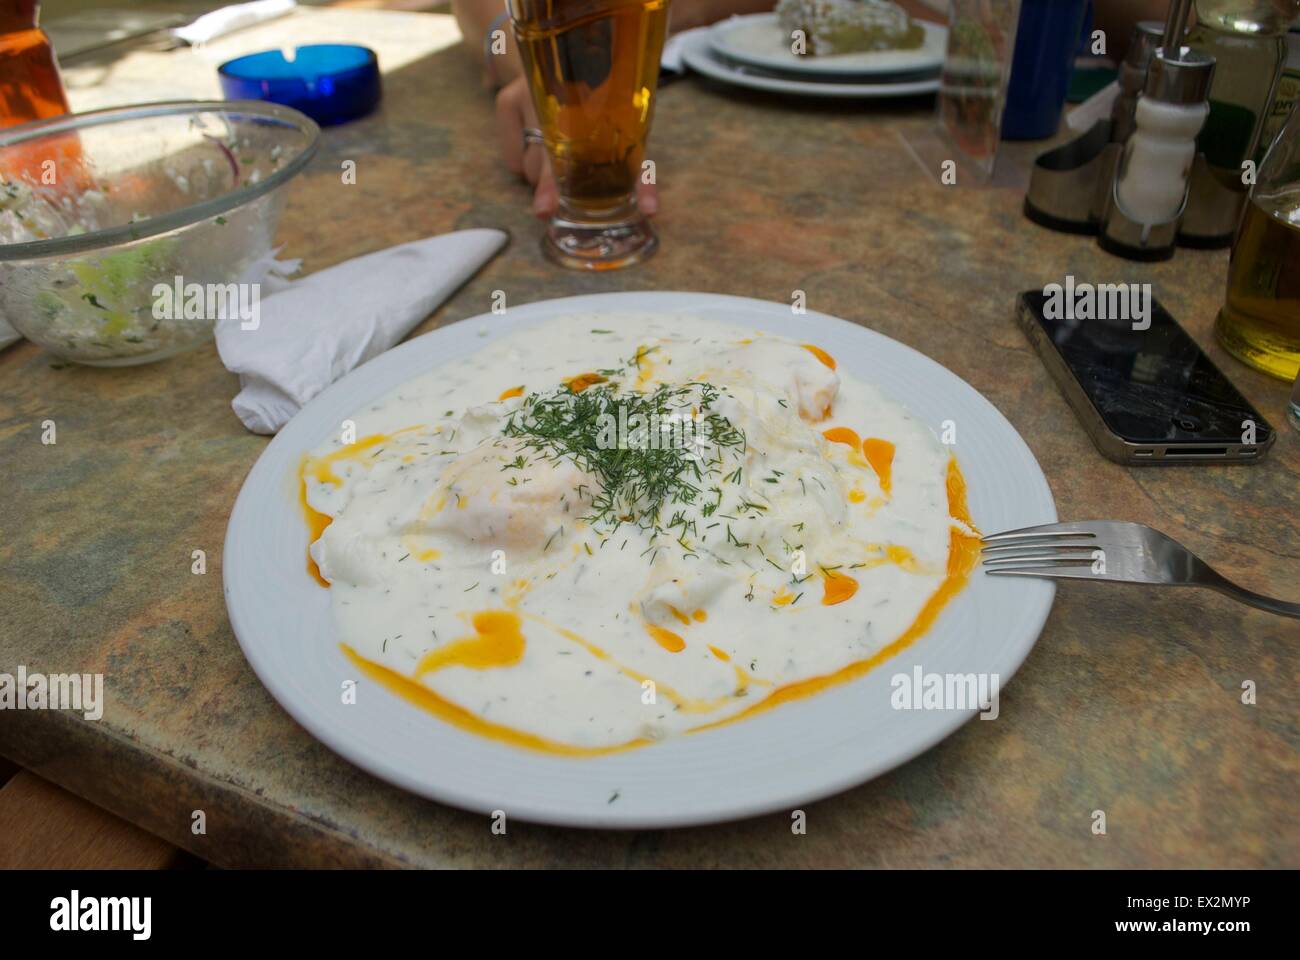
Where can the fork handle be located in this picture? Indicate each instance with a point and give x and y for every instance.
(1250, 597)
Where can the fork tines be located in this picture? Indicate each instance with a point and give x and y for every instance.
(1051, 531)
(1038, 547)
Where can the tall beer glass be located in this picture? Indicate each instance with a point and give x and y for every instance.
(592, 66)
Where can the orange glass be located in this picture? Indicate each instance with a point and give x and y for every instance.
(30, 88)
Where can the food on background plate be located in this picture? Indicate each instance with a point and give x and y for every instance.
(850, 26)
(605, 530)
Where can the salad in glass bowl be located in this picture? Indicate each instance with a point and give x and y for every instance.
(106, 216)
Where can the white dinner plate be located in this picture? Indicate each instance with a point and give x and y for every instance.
(699, 55)
(777, 760)
(758, 40)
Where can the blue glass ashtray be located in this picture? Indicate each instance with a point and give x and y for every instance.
(330, 82)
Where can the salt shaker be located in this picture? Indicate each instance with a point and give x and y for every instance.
(1132, 79)
(1141, 214)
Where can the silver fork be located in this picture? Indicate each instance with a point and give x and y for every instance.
(1112, 550)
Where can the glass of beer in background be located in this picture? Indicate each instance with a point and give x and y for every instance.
(1260, 322)
(592, 66)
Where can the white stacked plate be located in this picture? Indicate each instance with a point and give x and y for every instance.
(754, 52)
(777, 761)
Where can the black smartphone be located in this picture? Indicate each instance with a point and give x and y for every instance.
(1143, 389)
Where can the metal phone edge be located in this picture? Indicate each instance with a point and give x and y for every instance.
(1110, 444)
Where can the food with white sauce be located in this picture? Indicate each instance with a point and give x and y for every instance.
(832, 27)
(605, 530)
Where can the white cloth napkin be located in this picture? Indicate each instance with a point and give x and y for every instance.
(314, 330)
(226, 20)
(1097, 107)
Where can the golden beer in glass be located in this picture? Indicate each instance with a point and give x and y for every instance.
(592, 67)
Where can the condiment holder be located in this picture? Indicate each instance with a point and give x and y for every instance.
(1126, 179)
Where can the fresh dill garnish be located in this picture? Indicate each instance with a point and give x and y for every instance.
(637, 445)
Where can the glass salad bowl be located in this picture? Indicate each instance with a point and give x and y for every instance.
(109, 220)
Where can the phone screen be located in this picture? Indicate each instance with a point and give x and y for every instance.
(1150, 386)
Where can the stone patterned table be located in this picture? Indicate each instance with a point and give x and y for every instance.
(1131, 701)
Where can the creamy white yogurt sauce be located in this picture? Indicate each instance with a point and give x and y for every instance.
(473, 556)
